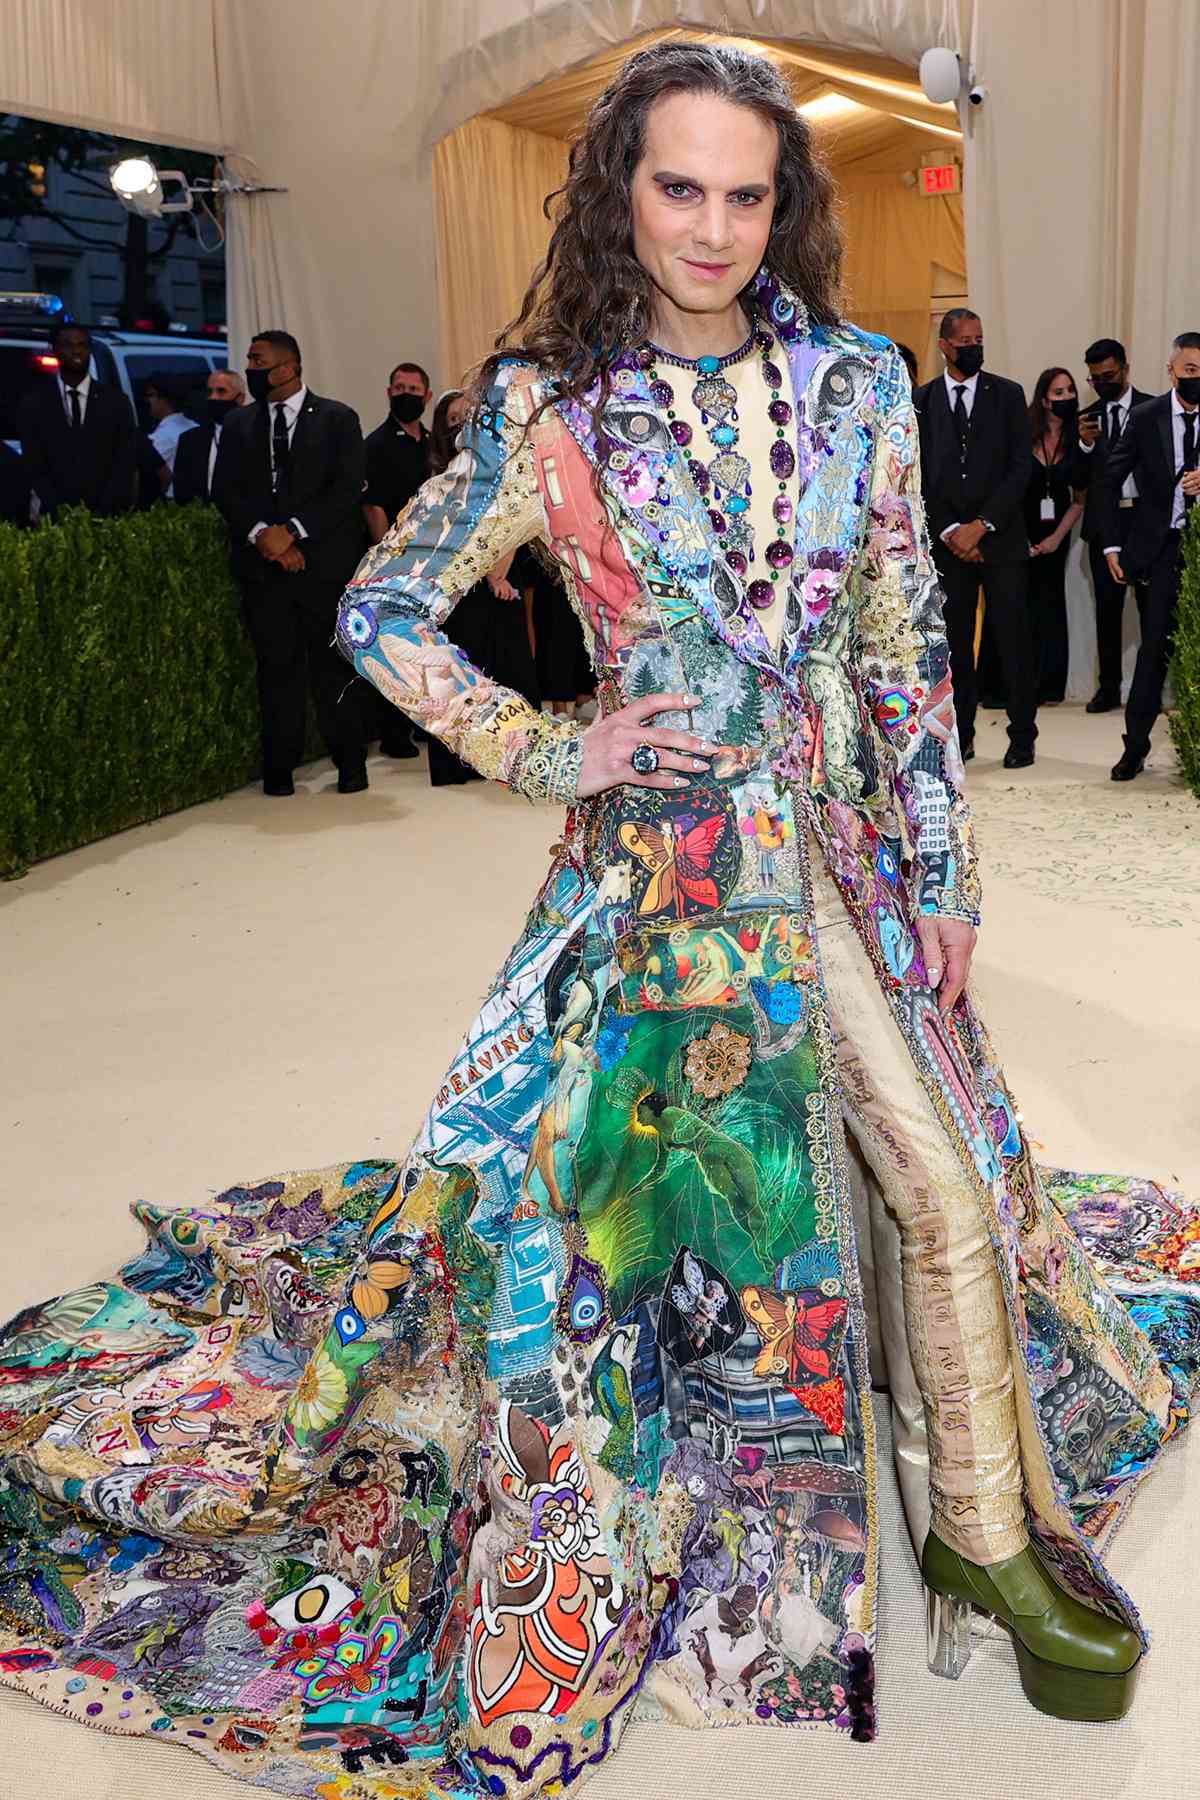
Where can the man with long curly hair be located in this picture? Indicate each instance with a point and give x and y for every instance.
(609, 1309)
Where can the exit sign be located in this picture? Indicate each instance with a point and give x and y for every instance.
(941, 178)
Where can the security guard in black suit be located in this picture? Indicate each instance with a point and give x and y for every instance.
(1101, 426)
(1160, 449)
(976, 461)
(78, 438)
(289, 481)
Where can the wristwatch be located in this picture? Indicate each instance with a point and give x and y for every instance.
(289, 525)
(987, 524)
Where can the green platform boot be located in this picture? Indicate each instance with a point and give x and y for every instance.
(1075, 1663)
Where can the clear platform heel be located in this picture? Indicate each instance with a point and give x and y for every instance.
(948, 1634)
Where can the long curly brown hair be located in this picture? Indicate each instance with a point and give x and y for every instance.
(590, 299)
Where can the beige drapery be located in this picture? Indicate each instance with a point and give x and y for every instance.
(490, 179)
(894, 236)
(136, 67)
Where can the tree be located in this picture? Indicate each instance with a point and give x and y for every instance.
(30, 148)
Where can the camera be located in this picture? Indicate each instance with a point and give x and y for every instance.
(977, 94)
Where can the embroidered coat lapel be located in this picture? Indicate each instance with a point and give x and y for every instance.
(833, 391)
(645, 477)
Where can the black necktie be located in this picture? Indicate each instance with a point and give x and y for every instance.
(961, 421)
(76, 411)
(1189, 454)
(1113, 422)
(280, 450)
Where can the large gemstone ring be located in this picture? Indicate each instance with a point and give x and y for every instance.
(644, 760)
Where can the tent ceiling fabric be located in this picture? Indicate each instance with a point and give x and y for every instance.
(491, 50)
(558, 106)
(139, 68)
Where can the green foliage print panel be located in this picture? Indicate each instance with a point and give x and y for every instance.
(692, 1137)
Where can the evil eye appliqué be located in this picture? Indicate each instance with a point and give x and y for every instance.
(350, 1325)
(583, 1304)
(358, 626)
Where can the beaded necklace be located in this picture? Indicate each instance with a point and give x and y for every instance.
(724, 482)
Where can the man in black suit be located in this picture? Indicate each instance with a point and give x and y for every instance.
(1160, 449)
(976, 461)
(289, 481)
(196, 452)
(79, 439)
(1101, 427)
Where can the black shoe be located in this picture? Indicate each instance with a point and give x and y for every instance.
(1104, 700)
(400, 747)
(993, 703)
(968, 754)
(1018, 759)
(278, 785)
(353, 781)
(1128, 767)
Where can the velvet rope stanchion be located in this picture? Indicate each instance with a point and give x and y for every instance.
(1185, 664)
(126, 678)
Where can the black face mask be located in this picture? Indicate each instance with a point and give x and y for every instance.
(259, 383)
(407, 408)
(969, 359)
(1188, 388)
(217, 411)
(1064, 409)
(1108, 391)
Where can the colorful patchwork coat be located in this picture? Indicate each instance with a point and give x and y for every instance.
(410, 1478)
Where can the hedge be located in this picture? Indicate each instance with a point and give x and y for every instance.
(1185, 666)
(126, 677)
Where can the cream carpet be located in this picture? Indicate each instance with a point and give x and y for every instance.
(256, 985)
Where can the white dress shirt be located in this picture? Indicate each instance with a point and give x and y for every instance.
(165, 438)
(1121, 408)
(1178, 510)
(83, 390)
(968, 385)
(214, 446)
(291, 412)
(1178, 415)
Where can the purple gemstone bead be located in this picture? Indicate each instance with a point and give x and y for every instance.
(661, 392)
(699, 475)
(783, 459)
(779, 412)
(681, 431)
(718, 521)
(771, 375)
(760, 594)
(736, 561)
(645, 358)
(779, 553)
(782, 508)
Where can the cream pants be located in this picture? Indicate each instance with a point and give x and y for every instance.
(945, 1343)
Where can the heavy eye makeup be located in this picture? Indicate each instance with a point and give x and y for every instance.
(679, 188)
